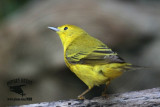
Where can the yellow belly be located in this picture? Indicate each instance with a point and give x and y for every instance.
(97, 74)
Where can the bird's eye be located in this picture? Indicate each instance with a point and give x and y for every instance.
(65, 28)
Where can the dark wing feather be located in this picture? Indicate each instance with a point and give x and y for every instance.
(99, 55)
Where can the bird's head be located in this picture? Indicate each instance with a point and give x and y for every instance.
(68, 32)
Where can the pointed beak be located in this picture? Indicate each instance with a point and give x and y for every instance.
(53, 28)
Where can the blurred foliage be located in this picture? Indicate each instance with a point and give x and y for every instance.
(9, 6)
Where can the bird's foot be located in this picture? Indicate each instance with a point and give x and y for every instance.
(105, 96)
(81, 97)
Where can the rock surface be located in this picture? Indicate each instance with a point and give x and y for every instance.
(144, 98)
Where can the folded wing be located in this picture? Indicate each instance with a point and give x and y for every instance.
(93, 55)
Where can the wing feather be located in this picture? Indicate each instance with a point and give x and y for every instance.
(98, 55)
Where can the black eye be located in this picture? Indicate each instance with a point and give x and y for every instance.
(65, 28)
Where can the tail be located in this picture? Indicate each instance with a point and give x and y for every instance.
(136, 67)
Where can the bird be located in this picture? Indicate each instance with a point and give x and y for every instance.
(91, 60)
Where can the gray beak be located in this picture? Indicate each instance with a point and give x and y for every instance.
(53, 28)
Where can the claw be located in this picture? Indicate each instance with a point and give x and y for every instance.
(81, 97)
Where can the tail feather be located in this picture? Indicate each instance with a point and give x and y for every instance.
(136, 67)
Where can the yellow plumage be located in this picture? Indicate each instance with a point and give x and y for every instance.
(90, 59)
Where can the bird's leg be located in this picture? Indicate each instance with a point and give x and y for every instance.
(82, 95)
(104, 92)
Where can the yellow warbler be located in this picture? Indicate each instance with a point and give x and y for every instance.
(90, 59)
